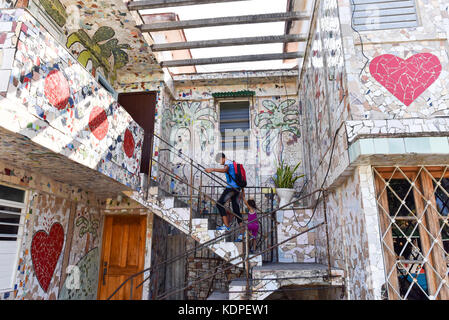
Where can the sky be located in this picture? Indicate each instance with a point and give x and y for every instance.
(234, 31)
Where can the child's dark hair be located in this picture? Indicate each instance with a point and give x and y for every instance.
(252, 203)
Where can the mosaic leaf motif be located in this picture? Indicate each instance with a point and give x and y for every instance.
(56, 10)
(45, 251)
(191, 117)
(406, 79)
(98, 52)
(276, 120)
(87, 226)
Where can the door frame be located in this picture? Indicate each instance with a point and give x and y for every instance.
(100, 269)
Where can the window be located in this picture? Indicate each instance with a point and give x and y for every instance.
(12, 207)
(234, 125)
(383, 14)
(413, 204)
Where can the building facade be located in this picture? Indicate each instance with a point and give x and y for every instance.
(90, 196)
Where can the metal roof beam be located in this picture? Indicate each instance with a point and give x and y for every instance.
(231, 59)
(156, 4)
(224, 21)
(228, 42)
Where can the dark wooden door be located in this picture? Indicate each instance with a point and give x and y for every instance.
(123, 255)
(141, 106)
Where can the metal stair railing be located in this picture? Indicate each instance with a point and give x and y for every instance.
(244, 255)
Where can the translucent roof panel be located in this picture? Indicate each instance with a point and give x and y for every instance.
(234, 31)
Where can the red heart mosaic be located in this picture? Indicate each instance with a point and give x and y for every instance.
(128, 144)
(406, 79)
(45, 251)
(98, 123)
(56, 89)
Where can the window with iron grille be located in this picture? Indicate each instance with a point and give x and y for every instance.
(12, 207)
(383, 14)
(413, 205)
(234, 125)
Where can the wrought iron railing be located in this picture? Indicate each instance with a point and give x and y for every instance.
(198, 197)
(264, 198)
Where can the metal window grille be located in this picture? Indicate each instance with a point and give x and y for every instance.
(383, 14)
(413, 205)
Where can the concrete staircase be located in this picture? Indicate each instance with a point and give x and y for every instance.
(266, 278)
(177, 213)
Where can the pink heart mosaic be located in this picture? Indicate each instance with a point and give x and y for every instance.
(406, 79)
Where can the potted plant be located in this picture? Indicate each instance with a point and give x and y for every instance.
(284, 180)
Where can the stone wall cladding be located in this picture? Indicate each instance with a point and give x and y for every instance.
(324, 100)
(438, 126)
(302, 248)
(203, 265)
(348, 237)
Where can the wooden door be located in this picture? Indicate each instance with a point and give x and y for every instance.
(122, 256)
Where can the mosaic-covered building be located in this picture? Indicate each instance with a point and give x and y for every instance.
(105, 137)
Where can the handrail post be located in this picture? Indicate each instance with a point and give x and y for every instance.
(150, 170)
(199, 193)
(191, 195)
(275, 231)
(327, 235)
(247, 264)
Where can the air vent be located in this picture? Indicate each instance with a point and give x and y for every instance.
(383, 14)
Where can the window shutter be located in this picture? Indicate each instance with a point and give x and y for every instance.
(234, 125)
(12, 207)
(383, 14)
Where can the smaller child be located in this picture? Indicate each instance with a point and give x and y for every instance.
(253, 223)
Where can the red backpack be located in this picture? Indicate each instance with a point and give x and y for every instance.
(240, 174)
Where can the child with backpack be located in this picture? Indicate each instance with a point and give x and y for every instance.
(236, 180)
(253, 223)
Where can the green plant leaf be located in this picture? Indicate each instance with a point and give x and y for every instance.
(285, 175)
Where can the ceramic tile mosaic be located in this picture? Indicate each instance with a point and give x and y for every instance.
(49, 238)
(104, 38)
(190, 124)
(300, 249)
(401, 73)
(59, 105)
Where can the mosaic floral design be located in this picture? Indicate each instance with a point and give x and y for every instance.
(276, 120)
(191, 116)
(99, 49)
(56, 10)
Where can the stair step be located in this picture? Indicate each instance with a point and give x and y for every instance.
(182, 213)
(216, 295)
(215, 234)
(166, 207)
(237, 289)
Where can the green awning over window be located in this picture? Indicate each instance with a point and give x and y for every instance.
(243, 93)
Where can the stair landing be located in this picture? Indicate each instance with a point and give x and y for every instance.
(271, 276)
